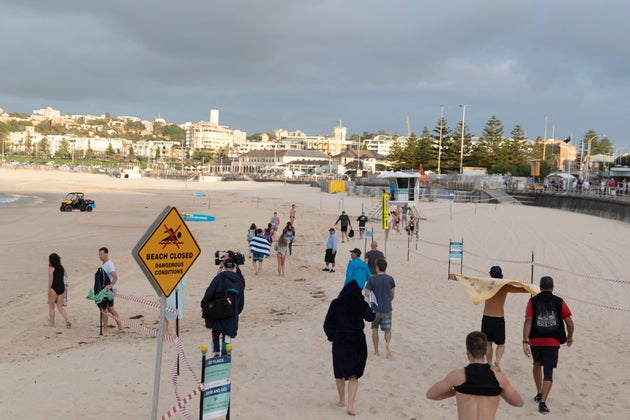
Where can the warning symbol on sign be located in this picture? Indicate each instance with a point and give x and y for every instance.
(166, 251)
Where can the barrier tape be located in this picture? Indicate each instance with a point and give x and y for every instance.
(586, 276)
(180, 406)
(147, 302)
(614, 308)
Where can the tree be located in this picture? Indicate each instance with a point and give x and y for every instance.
(427, 155)
(63, 152)
(488, 150)
(397, 155)
(110, 151)
(43, 148)
(451, 156)
(89, 153)
(173, 133)
(441, 131)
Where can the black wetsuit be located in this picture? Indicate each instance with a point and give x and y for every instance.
(480, 380)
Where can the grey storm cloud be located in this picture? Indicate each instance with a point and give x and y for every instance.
(304, 65)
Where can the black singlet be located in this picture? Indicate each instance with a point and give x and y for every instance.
(480, 380)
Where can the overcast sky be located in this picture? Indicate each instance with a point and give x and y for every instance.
(305, 65)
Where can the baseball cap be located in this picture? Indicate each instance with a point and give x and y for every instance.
(355, 251)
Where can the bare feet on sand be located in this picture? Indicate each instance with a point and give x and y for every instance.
(388, 354)
(341, 404)
(351, 412)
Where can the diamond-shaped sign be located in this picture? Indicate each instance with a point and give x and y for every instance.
(166, 251)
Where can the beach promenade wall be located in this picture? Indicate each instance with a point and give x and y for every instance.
(607, 207)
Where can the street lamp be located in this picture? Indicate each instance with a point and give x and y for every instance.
(585, 170)
(461, 150)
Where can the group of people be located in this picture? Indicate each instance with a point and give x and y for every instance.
(106, 277)
(367, 295)
(479, 386)
(260, 241)
(401, 217)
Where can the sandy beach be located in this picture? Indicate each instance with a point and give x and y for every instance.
(282, 366)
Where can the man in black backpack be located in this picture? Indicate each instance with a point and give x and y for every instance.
(227, 283)
(543, 333)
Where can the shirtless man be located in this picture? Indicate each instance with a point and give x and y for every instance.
(493, 321)
(292, 214)
(477, 387)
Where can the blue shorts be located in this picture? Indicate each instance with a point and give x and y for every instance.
(384, 320)
(258, 256)
(362, 229)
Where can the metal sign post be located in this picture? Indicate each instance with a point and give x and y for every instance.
(165, 253)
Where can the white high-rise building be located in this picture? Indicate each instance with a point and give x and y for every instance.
(214, 116)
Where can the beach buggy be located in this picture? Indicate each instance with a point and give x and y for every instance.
(76, 201)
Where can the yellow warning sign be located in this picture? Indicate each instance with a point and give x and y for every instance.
(385, 211)
(166, 251)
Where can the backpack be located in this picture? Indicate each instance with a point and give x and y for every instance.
(547, 321)
(101, 279)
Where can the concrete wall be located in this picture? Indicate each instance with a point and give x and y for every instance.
(608, 208)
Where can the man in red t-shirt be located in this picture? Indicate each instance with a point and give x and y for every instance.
(543, 346)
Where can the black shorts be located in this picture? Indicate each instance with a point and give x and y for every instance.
(330, 256)
(545, 355)
(494, 328)
(344, 228)
(104, 304)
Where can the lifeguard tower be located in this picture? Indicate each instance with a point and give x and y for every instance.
(403, 188)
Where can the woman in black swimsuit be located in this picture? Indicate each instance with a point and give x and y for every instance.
(56, 288)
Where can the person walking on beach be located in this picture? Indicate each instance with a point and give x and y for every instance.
(493, 320)
(225, 329)
(543, 332)
(379, 290)
(292, 214)
(363, 219)
(476, 388)
(372, 256)
(251, 232)
(108, 305)
(281, 247)
(345, 223)
(260, 248)
(331, 251)
(343, 326)
(289, 233)
(268, 234)
(56, 289)
(357, 269)
(275, 224)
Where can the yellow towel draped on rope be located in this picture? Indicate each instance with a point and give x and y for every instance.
(480, 289)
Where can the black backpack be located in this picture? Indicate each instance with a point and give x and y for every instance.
(547, 322)
(101, 279)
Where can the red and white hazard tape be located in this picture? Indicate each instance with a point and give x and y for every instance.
(614, 308)
(144, 301)
(181, 405)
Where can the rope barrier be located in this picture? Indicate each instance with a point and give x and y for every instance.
(535, 264)
(180, 406)
(614, 308)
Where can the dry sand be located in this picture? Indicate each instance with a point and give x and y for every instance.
(281, 360)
